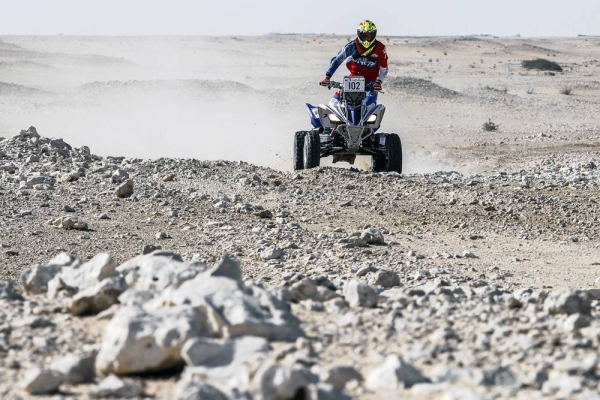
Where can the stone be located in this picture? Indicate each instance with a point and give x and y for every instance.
(76, 369)
(137, 298)
(568, 301)
(339, 376)
(329, 392)
(307, 289)
(35, 279)
(235, 309)
(363, 271)
(395, 373)
(125, 189)
(82, 276)
(158, 271)
(352, 242)
(385, 279)
(274, 381)
(228, 268)
(39, 381)
(119, 176)
(137, 340)
(359, 294)
(187, 390)
(112, 386)
(468, 254)
(500, 376)
(97, 298)
(372, 236)
(26, 134)
(562, 385)
(575, 322)
(577, 366)
(271, 253)
(149, 248)
(8, 292)
(214, 353)
(69, 223)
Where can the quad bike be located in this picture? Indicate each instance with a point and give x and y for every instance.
(347, 128)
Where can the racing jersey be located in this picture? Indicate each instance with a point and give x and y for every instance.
(372, 63)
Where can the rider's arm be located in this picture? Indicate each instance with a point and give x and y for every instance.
(382, 73)
(383, 64)
(336, 61)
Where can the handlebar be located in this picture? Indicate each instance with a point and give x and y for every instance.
(340, 85)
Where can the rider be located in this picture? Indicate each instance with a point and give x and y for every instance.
(364, 56)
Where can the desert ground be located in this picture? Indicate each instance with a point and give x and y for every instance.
(155, 242)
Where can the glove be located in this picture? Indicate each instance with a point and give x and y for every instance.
(377, 85)
(326, 81)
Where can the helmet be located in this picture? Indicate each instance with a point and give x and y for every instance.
(366, 33)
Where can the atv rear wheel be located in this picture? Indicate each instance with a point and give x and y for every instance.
(312, 150)
(299, 150)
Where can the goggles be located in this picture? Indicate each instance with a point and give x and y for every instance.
(366, 36)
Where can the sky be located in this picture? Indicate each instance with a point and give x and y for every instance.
(528, 18)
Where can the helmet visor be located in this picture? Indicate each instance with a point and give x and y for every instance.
(366, 36)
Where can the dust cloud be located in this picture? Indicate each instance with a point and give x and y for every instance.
(156, 126)
(178, 97)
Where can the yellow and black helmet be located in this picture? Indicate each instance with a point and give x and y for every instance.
(366, 33)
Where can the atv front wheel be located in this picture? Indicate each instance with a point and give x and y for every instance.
(378, 163)
(312, 150)
(393, 149)
(390, 160)
(299, 150)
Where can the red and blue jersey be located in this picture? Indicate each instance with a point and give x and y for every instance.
(372, 63)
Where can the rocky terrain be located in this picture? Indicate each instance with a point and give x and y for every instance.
(175, 278)
(134, 264)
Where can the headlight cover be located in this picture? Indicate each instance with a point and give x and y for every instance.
(333, 118)
(372, 118)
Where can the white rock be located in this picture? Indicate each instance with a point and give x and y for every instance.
(125, 189)
(41, 381)
(223, 362)
(82, 276)
(468, 254)
(216, 353)
(35, 279)
(158, 271)
(235, 309)
(76, 369)
(271, 253)
(189, 390)
(97, 298)
(307, 289)
(228, 268)
(69, 223)
(575, 322)
(372, 236)
(119, 175)
(339, 376)
(568, 301)
(8, 292)
(395, 373)
(385, 279)
(113, 386)
(273, 381)
(359, 294)
(562, 385)
(138, 341)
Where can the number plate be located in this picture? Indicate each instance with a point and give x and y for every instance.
(354, 84)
